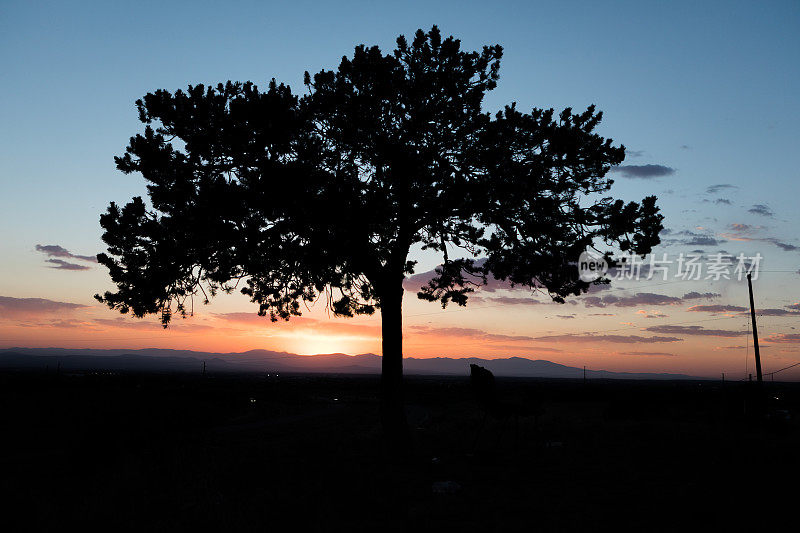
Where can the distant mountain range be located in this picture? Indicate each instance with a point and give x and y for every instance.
(159, 360)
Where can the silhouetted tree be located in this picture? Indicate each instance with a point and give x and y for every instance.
(325, 195)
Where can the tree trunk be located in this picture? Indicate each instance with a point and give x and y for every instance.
(392, 409)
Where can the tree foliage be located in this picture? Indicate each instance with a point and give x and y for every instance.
(290, 199)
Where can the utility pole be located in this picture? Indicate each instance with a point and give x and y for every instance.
(204, 369)
(755, 331)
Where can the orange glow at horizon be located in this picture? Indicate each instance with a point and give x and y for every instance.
(623, 340)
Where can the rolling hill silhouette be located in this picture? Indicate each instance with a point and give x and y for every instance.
(163, 360)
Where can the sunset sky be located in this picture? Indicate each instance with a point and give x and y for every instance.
(703, 95)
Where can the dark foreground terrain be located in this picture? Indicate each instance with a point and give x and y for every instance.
(304, 453)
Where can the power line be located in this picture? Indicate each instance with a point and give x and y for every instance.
(781, 369)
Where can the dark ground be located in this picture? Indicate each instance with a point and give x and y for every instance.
(304, 453)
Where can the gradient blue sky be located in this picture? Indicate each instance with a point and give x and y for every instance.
(708, 89)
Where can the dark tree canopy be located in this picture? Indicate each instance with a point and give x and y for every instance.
(290, 198)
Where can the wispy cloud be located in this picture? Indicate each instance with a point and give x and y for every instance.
(691, 238)
(777, 312)
(644, 171)
(644, 299)
(748, 232)
(713, 189)
(54, 250)
(472, 333)
(716, 309)
(740, 347)
(762, 210)
(785, 246)
(506, 300)
(639, 299)
(784, 338)
(58, 256)
(695, 331)
(11, 307)
(618, 339)
(743, 228)
(700, 295)
(416, 281)
(60, 264)
(650, 314)
(151, 325)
